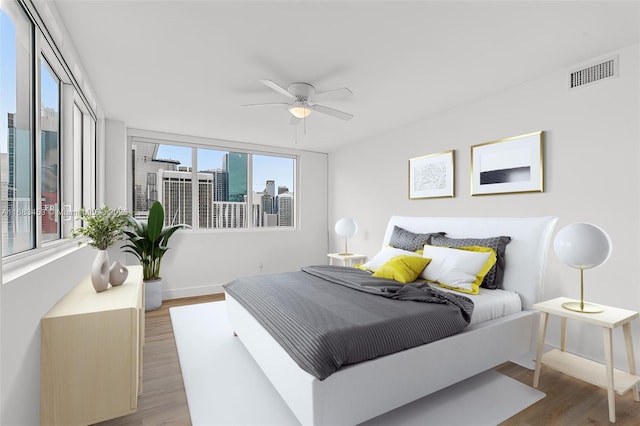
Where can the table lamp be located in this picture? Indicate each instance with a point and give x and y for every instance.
(346, 228)
(582, 246)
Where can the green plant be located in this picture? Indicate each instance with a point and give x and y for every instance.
(103, 226)
(148, 240)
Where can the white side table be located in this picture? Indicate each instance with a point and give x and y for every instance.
(583, 369)
(347, 259)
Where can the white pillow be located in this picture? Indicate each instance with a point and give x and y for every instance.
(384, 255)
(461, 270)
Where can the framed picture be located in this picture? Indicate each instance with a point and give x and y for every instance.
(431, 176)
(507, 166)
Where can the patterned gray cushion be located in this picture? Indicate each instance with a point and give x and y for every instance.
(495, 276)
(407, 240)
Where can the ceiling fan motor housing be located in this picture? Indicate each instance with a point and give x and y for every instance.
(301, 90)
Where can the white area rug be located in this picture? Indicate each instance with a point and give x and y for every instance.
(226, 387)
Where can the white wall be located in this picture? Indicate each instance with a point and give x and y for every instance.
(114, 153)
(24, 301)
(591, 174)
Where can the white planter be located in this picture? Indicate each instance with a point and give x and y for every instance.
(152, 294)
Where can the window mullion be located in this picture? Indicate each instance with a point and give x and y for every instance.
(37, 148)
(249, 215)
(67, 145)
(195, 190)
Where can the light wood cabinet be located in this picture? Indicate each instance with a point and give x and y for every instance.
(91, 353)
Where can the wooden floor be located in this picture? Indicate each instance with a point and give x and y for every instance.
(163, 401)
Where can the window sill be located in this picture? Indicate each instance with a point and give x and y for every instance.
(240, 230)
(24, 263)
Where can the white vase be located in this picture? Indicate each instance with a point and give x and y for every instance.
(100, 271)
(152, 294)
(117, 273)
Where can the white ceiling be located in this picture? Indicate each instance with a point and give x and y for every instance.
(187, 66)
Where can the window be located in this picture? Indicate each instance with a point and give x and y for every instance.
(272, 190)
(37, 91)
(50, 152)
(233, 189)
(16, 123)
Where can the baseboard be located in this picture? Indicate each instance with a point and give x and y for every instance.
(192, 291)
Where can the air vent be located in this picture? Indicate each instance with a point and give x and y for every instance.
(593, 73)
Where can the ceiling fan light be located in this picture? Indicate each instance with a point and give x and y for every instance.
(299, 111)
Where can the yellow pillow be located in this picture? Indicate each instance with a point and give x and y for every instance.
(404, 269)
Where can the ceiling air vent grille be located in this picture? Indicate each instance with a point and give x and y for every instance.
(593, 73)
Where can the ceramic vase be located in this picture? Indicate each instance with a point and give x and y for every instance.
(117, 273)
(100, 271)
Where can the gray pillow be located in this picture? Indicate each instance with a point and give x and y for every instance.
(407, 240)
(495, 276)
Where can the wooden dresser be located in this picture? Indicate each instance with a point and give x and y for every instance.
(91, 353)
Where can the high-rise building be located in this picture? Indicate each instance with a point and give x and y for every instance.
(145, 171)
(220, 184)
(175, 193)
(50, 154)
(285, 209)
(236, 167)
(257, 218)
(18, 197)
(268, 204)
(270, 188)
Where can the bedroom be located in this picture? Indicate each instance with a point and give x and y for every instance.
(591, 154)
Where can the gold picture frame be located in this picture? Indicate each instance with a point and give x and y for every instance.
(432, 176)
(508, 166)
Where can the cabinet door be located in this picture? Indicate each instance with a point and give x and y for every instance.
(89, 367)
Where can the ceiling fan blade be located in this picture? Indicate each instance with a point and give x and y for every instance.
(332, 112)
(275, 86)
(267, 104)
(342, 92)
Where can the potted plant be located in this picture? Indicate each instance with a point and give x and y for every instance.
(103, 227)
(147, 241)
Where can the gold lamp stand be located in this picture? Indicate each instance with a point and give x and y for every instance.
(346, 252)
(585, 308)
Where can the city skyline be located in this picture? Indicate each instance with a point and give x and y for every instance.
(164, 172)
(265, 167)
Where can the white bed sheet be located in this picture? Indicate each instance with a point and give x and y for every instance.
(491, 304)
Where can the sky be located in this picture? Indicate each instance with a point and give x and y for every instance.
(7, 75)
(279, 169)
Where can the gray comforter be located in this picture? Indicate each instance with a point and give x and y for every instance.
(327, 317)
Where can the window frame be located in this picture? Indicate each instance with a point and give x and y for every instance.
(70, 95)
(195, 143)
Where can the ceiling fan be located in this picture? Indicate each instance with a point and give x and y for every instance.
(302, 97)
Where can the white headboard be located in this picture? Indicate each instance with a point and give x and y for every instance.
(525, 256)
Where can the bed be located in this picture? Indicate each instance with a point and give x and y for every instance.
(496, 334)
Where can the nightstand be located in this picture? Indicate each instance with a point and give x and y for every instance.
(604, 376)
(347, 259)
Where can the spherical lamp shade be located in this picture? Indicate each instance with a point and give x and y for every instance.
(582, 245)
(346, 228)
